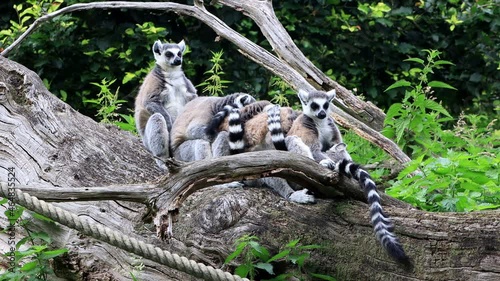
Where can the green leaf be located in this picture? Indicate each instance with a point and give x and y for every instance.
(400, 83)
(440, 62)
(128, 76)
(430, 104)
(236, 253)
(3, 201)
(310, 247)
(261, 252)
(29, 266)
(439, 84)
(265, 266)
(401, 126)
(279, 255)
(323, 277)
(421, 61)
(292, 243)
(52, 254)
(42, 217)
(242, 270)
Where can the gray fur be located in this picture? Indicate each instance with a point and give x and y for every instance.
(192, 124)
(226, 142)
(161, 99)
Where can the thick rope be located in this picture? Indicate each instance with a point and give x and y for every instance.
(117, 239)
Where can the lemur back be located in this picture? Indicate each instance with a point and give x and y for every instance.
(161, 98)
(193, 124)
(251, 128)
(314, 133)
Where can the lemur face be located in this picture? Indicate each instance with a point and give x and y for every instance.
(244, 99)
(316, 104)
(168, 55)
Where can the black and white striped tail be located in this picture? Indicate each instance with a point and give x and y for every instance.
(382, 225)
(274, 127)
(236, 132)
(213, 127)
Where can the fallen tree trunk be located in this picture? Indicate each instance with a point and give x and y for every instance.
(48, 144)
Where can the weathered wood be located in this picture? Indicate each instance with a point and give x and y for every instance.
(140, 193)
(49, 144)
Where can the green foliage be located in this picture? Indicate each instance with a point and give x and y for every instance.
(33, 254)
(214, 84)
(256, 257)
(27, 12)
(280, 92)
(107, 104)
(417, 119)
(452, 170)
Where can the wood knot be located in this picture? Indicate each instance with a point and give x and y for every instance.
(4, 91)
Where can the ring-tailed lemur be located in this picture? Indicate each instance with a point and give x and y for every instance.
(244, 130)
(161, 99)
(314, 134)
(189, 138)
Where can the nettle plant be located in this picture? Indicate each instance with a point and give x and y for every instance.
(453, 170)
(214, 85)
(255, 260)
(32, 255)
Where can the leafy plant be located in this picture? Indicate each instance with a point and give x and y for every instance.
(26, 13)
(463, 174)
(214, 84)
(452, 170)
(33, 254)
(108, 104)
(256, 257)
(417, 119)
(280, 92)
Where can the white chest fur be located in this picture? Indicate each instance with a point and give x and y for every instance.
(175, 96)
(325, 133)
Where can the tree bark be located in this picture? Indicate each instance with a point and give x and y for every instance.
(50, 145)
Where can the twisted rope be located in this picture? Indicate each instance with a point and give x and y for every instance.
(117, 239)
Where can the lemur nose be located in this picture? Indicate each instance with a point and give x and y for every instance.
(322, 114)
(177, 61)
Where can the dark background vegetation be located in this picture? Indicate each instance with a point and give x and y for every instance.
(361, 48)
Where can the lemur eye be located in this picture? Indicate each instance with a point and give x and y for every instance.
(179, 54)
(314, 106)
(169, 54)
(326, 105)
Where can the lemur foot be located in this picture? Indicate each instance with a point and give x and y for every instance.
(301, 196)
(234, 184)
(328, 163)
(161, 165)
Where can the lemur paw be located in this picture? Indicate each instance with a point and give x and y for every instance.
(328, 163)
(234, 184)
(301, 196)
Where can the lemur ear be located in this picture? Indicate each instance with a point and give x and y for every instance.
(303, 95)
(340, 146)
(331, 95)
(157, 47)
(182, 45)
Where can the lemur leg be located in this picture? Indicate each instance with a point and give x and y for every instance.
(296, 145)
(220, 147)
(156, 139)
(157, 107)
(193, 150)
(282, 187)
